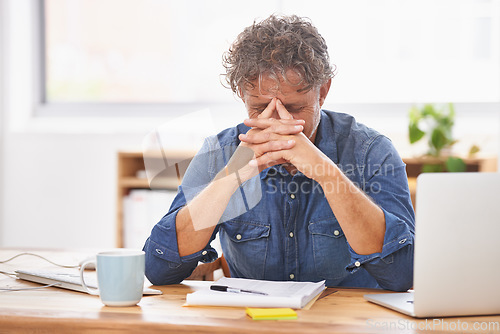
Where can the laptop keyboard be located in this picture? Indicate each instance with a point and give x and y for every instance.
(66, 277)
(70, 278)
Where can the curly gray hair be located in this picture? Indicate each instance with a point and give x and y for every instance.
(274, 46)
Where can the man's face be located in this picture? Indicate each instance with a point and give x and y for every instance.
(301, 105)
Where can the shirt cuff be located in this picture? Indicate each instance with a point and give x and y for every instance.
(397, 236)
(164, 234)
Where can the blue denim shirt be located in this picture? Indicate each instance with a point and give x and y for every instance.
(281, 227)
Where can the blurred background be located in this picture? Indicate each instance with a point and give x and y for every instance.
(82, 80)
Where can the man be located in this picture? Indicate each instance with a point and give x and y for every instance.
(295, 192)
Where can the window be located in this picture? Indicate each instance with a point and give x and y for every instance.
(139, 51)
(161, 51)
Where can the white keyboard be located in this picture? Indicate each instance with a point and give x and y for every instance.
(66, 280)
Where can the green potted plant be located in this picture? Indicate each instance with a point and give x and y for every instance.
(436, 124)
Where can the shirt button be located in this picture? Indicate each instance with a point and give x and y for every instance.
(402, 241)
(204, 252)
(336, 232)
(357, 263)
(159, 251)
(292, 196)
(292, 276)
(238, 237)
(291, 234)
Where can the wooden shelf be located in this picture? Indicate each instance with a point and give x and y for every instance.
(160, 183)
(133, 182)
(414, 168)
(130, 163)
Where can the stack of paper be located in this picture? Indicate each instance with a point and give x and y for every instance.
(275, 293)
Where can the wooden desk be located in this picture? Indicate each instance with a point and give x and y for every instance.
(54, 310)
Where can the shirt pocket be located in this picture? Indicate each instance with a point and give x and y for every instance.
(330, 250)
(245, 247)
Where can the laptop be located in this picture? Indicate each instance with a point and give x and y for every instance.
(66, 280)
(457, 253)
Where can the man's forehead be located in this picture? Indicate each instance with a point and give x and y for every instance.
(288, 91)
(296, 95)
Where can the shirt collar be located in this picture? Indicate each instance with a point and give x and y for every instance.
(326, 140)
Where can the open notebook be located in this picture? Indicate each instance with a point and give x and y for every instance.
(66, 279)
(265, 293)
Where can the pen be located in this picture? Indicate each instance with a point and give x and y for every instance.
(225, 288)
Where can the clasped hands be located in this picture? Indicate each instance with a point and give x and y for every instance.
(274, 141)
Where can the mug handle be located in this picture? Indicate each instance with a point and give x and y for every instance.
(94, 292)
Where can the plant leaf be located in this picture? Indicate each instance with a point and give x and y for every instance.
(474, 149)
(415, 134)
(452, 111)
(454, 164)
(414, 114)
(432, 168)
(438, 123)
(438, 139)
(429, 110)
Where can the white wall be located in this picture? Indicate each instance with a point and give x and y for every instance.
(59, 189)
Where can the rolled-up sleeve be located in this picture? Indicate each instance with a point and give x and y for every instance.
(163, 263)
(385, 181)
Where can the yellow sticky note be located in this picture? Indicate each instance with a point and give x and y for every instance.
(271, 313)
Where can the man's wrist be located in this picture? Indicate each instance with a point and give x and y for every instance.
(326, 172)
(228, 179)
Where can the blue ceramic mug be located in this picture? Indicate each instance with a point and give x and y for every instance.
(120, 277)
